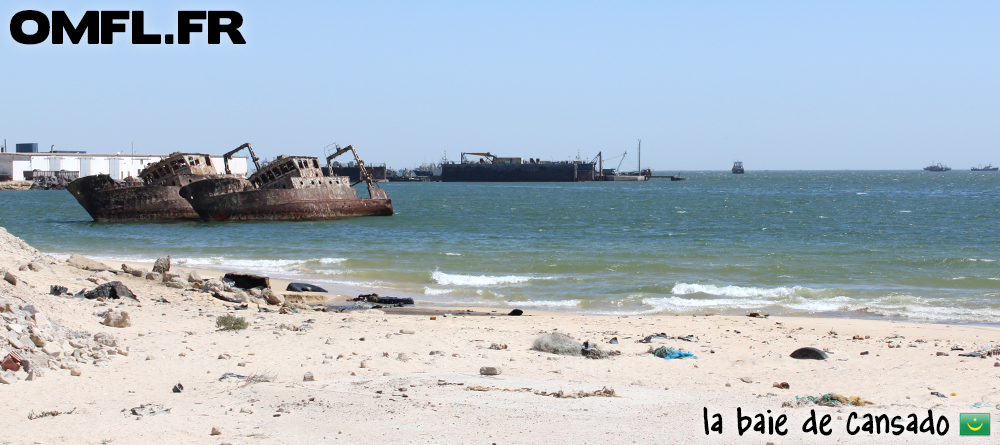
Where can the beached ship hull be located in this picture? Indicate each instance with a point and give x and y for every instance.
(107, 200)
(313, 198)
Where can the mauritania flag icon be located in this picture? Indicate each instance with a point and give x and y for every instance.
(974, 424)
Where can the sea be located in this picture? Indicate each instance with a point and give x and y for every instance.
(905, 245)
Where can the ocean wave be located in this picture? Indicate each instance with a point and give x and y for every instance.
(680, 304)
(737, 291)
(432, 291)
(446, 279)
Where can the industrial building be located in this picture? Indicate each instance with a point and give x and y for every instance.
(20, 166)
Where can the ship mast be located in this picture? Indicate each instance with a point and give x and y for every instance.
(640, 157)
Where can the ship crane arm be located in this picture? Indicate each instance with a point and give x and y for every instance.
(366, 176)
(485, 155)
(226, 157)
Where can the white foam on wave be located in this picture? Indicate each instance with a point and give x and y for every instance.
(680, 304)
(432, 291)
(332, 260)
(737, 291)
(446, 279)
(452, 254)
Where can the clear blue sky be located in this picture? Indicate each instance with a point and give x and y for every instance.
(778, 85)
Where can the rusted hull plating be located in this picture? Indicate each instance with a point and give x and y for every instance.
(235, 199)
(108, 201)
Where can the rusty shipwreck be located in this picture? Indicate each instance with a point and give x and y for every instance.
(288, 188)
(154, 196)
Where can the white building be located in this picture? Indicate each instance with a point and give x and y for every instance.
(118, 166)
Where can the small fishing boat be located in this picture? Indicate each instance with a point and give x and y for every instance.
(738, 168)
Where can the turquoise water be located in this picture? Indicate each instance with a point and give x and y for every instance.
(902, 244)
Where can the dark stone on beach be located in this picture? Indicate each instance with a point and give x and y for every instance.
(178, 388)
(864, 353)
(303, 287)
(162, 264)
(58, 290)
(384, 301)
(942, 354)
(109, 290)
(515, 312)
(809, 354)
(247, 281)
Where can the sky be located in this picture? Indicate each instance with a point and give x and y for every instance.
(797, 85)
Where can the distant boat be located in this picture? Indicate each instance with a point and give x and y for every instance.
(677, 178)
(738, 168)
(937, 168)
(988, 168)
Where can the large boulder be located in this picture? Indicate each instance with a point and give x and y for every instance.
(162, 264)
(82, 262)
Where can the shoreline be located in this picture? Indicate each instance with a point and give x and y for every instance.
(415, 375)
(341, 291)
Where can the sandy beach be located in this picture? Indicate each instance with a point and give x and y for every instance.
(414, 375)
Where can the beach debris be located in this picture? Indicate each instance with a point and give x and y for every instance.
(758, 315)
(117, 319)
(304, 287)
(590, 350)
(162, 264)
(557, 343)
(935, 393)
(75, 372)
(808, 353)
(498, 346)
(942, 354)
(219, 296)
(230, 375)
(308, 377)
(8, 377)
(516, 313)
(746, 380)
(663, 336)
(178, 388)
(603, 392)
(383, 301)
(864, 353)
(613, 341)
(671, 353)
(407, 331)
(489, 370)
(110, 290)
(12, 362)
(147, 409)
(216, 431)
(58, 290)
(782, 385)
(247, 281)
(82, 262)
(830, 399)
(53, 413)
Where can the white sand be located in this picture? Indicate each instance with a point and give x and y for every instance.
(424, 398)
